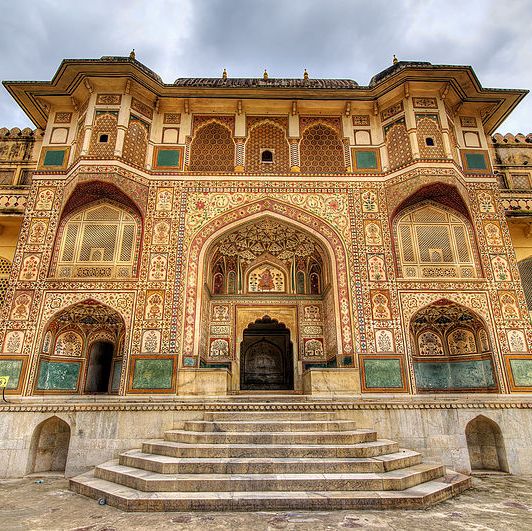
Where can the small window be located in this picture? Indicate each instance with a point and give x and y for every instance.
(104, 138)
(266, 156)
(429, 141)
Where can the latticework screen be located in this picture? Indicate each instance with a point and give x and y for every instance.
(99, 242)
(434, 244)
(525, 271)
(5, 269)
(520, 181)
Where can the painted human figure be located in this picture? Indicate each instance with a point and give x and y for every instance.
(266, 280)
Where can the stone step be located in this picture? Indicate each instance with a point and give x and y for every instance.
(153, 482)
(270, 415)
(378, 447)
(295, 438)
(269, 425)
(128, 499)
(164, 464)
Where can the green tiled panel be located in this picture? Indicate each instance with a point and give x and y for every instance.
(58, 376)
(115, 384)
(476, 161)
(522, 372)
(456, 375)
(168, 157)
(54, 157)
(366, 160)
(384, 373)
(153, 374)
(12, 369)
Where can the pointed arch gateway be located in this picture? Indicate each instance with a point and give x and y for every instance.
(208, 315)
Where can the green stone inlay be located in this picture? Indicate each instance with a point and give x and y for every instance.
(58, 376)
(385, 373)
(476, 161)
(522, 372)
(366, 160)
(115, 384)
(153, 374)
(168, 157)
(189, 362)
(455, 375)
(12, 369)
(54, 157)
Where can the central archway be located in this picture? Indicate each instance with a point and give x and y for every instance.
(223, 295)
(266, 356)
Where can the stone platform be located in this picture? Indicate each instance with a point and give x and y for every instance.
(269, 460)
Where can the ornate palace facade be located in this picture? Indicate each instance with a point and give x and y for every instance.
(365, 249)
(213, 236)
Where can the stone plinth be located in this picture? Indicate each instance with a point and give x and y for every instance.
(331, 382)
(203, 382)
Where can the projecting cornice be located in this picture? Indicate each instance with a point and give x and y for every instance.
(458, 84)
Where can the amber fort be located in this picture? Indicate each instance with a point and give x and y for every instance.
(252, 293)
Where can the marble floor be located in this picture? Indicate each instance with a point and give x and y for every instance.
(494, 502)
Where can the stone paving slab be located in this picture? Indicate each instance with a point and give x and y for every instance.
(494, 503)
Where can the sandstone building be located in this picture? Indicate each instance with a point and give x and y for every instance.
(309, 237)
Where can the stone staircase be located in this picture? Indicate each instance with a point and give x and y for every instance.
(269, 460)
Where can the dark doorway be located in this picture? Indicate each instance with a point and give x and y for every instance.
(266, 357)
(100, 363)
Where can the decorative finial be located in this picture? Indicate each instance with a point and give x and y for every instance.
(305, 74)
(224, 74)
(265, 75)
(395, 60)
(132, 54)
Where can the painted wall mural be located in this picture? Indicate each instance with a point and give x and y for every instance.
(352, 303)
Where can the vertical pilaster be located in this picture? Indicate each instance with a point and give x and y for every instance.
(123, 122)
(411, 126)
(89, 118)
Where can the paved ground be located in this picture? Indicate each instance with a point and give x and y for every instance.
(493, 503)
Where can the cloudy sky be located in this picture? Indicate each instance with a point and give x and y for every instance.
(331, 38)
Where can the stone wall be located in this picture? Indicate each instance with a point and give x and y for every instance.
(100, 430)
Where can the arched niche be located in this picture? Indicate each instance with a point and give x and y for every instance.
(212, 148)
(49, 446)
(82, 350)
(451, 350)
(485, 445)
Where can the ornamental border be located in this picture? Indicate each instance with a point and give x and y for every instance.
(209, 407)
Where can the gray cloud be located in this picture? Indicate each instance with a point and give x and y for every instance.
(331, 38)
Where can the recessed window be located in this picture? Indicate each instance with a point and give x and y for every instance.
(104, 138)
(429, 141)
(266, 155)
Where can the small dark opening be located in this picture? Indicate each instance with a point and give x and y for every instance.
(266, 156)
(429, 141)
(100, 363)
(104, 138)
